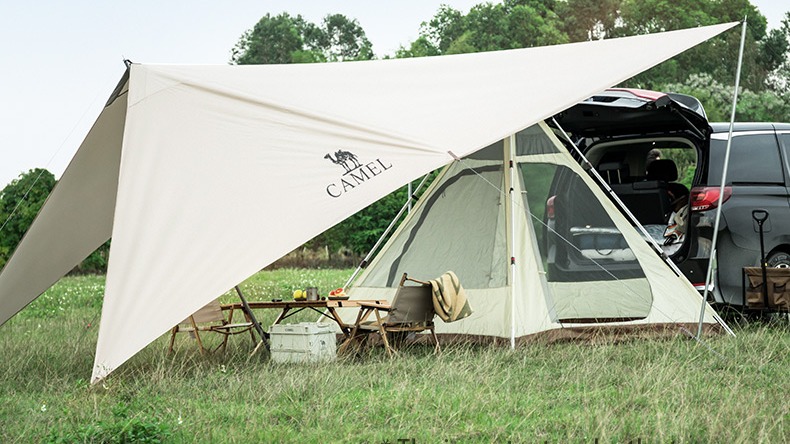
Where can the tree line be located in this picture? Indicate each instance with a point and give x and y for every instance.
(706, 72)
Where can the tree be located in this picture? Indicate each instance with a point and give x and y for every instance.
(446, 26)
(716, 97)
(489, 27)
(276, 39)
(773, 49)
(422, 47)
(526, 23)
(589, 19)
(287, 39)
(779, 79)
(20, 202)
(360, 231)
(717, 57)
(534, 23)
(342, 39)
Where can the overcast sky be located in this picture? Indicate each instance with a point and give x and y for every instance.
(61, 61)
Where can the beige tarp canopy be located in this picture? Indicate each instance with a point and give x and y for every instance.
(202, 175)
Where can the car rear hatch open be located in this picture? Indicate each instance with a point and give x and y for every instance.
(623, 112)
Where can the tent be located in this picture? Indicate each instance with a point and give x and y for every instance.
(539, 248)
(203, 175)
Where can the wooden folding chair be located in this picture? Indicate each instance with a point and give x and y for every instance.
(211, 318)
(410, 312)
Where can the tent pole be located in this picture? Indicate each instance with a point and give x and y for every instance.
(709, 274)
(403, 209)
(408, 200)
(248, 311)
(510, 147)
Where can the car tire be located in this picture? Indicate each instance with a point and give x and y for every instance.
(780, 259)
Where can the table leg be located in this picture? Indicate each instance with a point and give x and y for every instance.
(265, 340)
(335, 317)
(282, 315)
(363, 313)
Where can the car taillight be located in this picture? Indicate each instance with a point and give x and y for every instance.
(707, 198)
(700, 286)
(550, 207)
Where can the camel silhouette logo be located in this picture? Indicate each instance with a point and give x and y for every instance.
(356, 173)
(347, 160)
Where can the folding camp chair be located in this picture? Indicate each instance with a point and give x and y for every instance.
(410, 312)
(211, 318)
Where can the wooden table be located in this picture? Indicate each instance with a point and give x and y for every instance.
(324, 307)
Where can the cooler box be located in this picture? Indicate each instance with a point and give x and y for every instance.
(303, 342)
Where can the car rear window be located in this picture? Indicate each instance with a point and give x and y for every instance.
(754, 159)
(785, 139)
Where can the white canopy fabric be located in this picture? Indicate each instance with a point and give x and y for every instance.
(206, 174)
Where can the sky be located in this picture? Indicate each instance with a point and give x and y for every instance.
(60, 60)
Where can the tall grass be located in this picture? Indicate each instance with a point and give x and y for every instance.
(654, 391)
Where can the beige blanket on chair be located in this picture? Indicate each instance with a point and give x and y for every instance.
(449, 298)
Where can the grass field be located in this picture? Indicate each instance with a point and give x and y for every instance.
(728, 390)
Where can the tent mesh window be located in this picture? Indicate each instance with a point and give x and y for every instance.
(591, 272)
(458, 226)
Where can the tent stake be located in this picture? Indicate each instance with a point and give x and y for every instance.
(709, 274)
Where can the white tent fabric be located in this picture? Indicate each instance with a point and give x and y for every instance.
(75, 220)
(461, 224)
(224, 169)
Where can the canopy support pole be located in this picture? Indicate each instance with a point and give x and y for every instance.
(248, 311)
(713, 252)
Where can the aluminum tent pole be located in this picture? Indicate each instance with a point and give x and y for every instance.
(408, 200)
(511, 154)
(245, 307)
(713, 252)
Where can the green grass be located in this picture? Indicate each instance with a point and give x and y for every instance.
(653, 391)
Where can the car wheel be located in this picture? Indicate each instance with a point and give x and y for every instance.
(780, 259)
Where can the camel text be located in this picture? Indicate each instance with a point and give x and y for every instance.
(356, 177)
